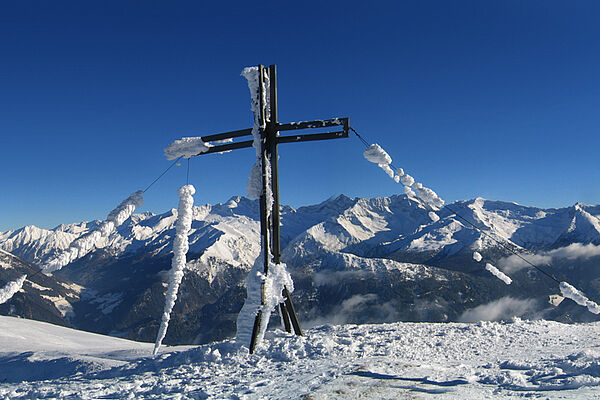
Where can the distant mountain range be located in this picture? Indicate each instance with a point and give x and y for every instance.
(353, 260)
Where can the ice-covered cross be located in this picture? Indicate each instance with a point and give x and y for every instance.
(269, 284)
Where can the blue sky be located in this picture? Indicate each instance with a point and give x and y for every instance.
(472, 98)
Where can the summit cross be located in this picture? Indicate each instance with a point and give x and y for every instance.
(270, 128)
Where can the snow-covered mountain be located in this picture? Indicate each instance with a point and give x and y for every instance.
(353, 261)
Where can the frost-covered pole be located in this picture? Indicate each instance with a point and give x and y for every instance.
(265, 200)
(268, 284)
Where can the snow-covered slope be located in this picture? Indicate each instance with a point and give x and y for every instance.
(388, 361)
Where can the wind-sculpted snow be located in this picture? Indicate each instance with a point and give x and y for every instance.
(8, 291)
(521, 359)
(84, 244)
(180, 249)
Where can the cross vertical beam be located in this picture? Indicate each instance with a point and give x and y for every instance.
(270, 227)
(287, 307)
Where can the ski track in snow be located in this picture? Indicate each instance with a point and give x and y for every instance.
(388, 361)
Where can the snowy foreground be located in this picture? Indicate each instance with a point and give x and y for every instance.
(539, 359)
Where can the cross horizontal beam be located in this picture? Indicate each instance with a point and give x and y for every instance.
(320, 123)
(310, 137)
(227, 135)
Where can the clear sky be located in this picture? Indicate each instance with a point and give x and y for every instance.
(473, 98)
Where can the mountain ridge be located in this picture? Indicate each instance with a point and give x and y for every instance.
(353, 260)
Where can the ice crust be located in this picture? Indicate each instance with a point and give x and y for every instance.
(12, 287)
(476, 256)
(572, 293)
(180, 249)
(498, 274)
(84, 244)
(186, 147)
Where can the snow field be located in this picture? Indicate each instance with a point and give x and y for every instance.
(180, 249)
(388, 361)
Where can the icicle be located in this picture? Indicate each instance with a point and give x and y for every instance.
(180, 249)
(83, 245)
(9, 290)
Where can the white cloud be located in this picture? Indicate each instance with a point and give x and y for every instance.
(572, 252)
(502, 309)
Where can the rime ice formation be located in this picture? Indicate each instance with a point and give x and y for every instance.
(277, 279)
(434, 217)
(476, 256)
(180, 249)
(83, 245)
(254, 184)
(377, 155)
(186, 147)
(572, 293)
(498, 274)
(9, 290)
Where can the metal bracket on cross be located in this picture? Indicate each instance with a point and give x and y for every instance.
(269, 129)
